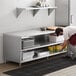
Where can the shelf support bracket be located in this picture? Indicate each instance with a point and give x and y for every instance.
(18, 11)
(49, 11)
(35, 11)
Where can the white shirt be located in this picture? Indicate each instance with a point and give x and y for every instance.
(69, 31)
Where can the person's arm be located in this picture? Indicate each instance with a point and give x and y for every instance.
(64, 44)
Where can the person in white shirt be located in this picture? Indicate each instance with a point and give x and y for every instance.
(67, 32)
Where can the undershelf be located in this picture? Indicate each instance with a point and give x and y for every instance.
(34, 9)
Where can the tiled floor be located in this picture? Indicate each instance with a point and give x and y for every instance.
(70, 71)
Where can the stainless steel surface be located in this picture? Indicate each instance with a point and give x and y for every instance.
(62, 12)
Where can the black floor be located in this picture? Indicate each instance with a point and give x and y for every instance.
(45, 66)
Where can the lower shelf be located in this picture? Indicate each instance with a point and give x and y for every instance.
(42, 55)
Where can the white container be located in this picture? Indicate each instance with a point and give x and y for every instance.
(54, 39)
(43, 54)
(28, 55)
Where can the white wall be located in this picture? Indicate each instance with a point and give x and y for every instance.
(9, 22)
